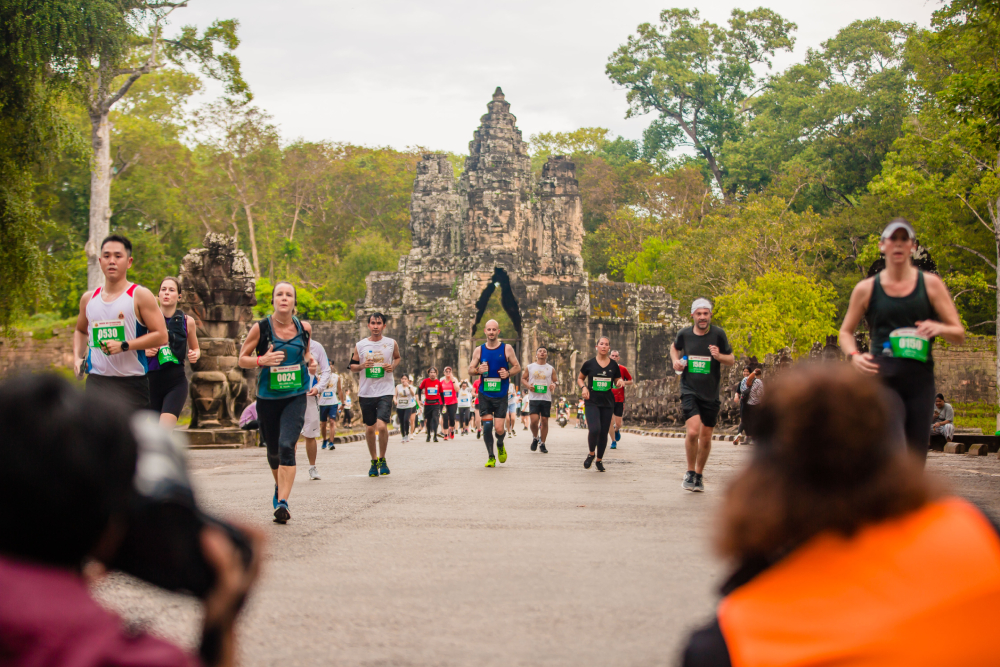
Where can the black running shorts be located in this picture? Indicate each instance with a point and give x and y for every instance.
(375, 408)
(492, 405)
(691, 405)
(619, 408)
(542, 408)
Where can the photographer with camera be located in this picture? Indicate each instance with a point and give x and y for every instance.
(70, 460)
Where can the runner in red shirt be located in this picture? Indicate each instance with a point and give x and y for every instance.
(449, 395)
(476, 421)
(616, 421)
(430, 392)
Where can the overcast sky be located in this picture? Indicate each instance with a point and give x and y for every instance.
(420, 72)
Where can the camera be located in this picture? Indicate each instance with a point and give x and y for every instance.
(162, 540)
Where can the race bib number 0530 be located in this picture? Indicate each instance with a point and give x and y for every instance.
(107, 330)
(701, 365)
(285, 378)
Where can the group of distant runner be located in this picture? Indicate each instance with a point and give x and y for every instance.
(134, 346)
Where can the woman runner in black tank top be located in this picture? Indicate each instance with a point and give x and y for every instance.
(168, 385)
(905, 309)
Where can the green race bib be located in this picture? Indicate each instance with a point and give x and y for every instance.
(601, 384)
(491, 384)
(375, 372)
(166, 356)
(541, 388)
(702, 365)
(107, 330)
(285, 378)
(908, 344)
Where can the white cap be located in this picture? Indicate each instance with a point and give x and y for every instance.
(898, 223)
(700, 303)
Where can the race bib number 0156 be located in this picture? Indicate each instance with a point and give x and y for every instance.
(541, 388)
(701, 365)
(491, 384)
(908, 344)
(601, 384)
(285, 378)
(107, 330)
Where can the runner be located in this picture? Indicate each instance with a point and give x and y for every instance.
(449, 395)
(523, 410)
(581, 408)
(476, 419)
(705, 348)
(311, 427)
(430, 395)
(513, 399)
(168, 386)
(494, 362)
(619, 400)
(330, 398)
(280, 347)
(374, 358)
(464, 406)
(598, 376)
(906, 309)
(116, 324)
(348, 410)
(405, 400)
(539, 379)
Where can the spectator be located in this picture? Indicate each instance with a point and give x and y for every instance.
(944, 419)
(833, 525)
(70, 457)
(751, 394)
(741, 398)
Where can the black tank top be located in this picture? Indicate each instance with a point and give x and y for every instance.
(887, 313)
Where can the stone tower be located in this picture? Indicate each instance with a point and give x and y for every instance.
(500, 227)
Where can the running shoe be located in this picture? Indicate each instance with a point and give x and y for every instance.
(618, 434)
(428, 436)
(541, 448)
(383, 469)
(373, 471)
(435, 437)
(275, 501)
(614, 445)
(534, 444)
(688, 480)
(281, 513)
(587, 461)
(479, 433)
(313, 473)
(502, 452)
(492, 463)
(332, 446)
(599, 466)
(324, 444)
(699, 485)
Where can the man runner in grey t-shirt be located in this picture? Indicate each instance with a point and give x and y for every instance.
(698, 353)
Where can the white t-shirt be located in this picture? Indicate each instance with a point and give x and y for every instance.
(380, 352)
(405, 397)
(319, 354)
(465, 398)
(511, 393)
(328, 393)
(540, 374)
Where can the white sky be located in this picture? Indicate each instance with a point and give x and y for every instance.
(420, 72)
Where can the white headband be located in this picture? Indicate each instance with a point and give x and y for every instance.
(700, 303)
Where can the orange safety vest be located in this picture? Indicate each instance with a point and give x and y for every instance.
(918, 590)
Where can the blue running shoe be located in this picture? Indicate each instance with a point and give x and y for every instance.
(614, 445)
(275, 501)
(324, 444)
(618, 435)
(383, 469)
(373, 471)
(281, 513)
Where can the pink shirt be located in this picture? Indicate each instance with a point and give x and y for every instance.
(48, 618)
(449, 392)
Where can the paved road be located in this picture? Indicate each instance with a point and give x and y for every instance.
(445, 562)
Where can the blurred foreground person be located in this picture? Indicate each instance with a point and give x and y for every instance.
(844, 544)
(71, 457)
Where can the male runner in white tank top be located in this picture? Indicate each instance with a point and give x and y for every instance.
(117, 322)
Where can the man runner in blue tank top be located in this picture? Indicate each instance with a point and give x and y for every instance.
(495, 362)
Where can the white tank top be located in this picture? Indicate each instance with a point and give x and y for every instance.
(540, 374)
(114, 321)
(381, 353)
(404, 397)
(328, 395)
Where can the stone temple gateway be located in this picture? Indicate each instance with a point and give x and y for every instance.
(500, 227)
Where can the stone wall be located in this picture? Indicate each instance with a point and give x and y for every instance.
(26, 355)
(967, 373)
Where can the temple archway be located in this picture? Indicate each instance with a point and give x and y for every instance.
(499, 281)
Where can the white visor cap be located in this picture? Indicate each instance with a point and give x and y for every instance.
(700, 303)
(898, 223)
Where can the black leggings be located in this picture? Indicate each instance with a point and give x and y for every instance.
(404, 420)
(463, 417)
(598, 425)
(913, 383)
(449, 416)
(281, 421)
(432, 415)
(168, 389)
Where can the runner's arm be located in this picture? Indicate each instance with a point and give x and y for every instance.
(950, 326)
(81, 344)
(860, 296)
(515, 365)
(627, 377)
(249, 345)
(524, 379)
(395, 358)
(355, 366)
(675, 357)
(150, 316)
(474, 365)
(194, 349)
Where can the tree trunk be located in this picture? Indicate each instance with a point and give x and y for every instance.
(997, 336)
(253, 241)
(100, 195)
(714, 166)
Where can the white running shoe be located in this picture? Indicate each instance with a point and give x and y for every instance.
(313, 473)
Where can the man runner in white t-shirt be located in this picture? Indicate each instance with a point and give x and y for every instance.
(374, 358)
(539, 379)
(330, 397)
(117, 323)
(311, 424)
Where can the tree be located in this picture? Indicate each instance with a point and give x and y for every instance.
(132, 47)
(778, 310)
(698, 76)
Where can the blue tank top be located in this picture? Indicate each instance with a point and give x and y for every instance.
(496, 360)
(295, 353)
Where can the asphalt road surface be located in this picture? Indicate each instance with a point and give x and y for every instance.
(445, 562)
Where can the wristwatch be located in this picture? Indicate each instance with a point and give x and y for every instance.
(125, 346)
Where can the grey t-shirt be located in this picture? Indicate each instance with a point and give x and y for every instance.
(945, 414)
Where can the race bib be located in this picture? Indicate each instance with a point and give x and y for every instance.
(702, 365)
(432, 391)
(375, 372)
(447, 393)
(541, 388)
(166, 356)
(285, 378)
(601, 384)
(491, 384)
(908, 344)
(464, 402)
(107, 330)
(327, 395)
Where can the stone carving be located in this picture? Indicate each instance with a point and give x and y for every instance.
(500, 227)
(217, 289)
